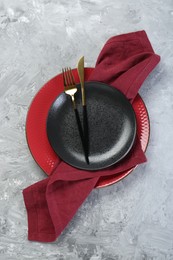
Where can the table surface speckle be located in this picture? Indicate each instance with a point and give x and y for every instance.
(132, 219)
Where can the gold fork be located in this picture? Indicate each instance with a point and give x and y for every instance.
(69, 84)
(70, 89)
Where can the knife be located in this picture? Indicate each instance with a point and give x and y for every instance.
(80, 68)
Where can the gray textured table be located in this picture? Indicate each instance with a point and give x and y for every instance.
(132, 219)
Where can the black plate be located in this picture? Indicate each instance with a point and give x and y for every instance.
(112, 127)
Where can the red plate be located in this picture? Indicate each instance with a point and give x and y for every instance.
(36, 134)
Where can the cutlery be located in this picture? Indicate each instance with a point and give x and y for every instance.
(80, 68)
(69, 84)
(70, 89)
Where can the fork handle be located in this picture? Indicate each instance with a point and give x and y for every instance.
(81, 135)
(73, 101)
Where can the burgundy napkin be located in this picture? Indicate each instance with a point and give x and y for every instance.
(124, 62)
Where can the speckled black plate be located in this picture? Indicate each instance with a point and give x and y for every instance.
(112, 127)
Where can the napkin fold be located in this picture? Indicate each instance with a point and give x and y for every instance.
(124, 62)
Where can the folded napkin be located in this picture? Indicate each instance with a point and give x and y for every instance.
(124, 62)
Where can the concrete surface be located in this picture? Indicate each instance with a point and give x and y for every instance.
(132, 219)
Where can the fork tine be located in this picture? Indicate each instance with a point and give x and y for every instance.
(68, 77)
(72, 77)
